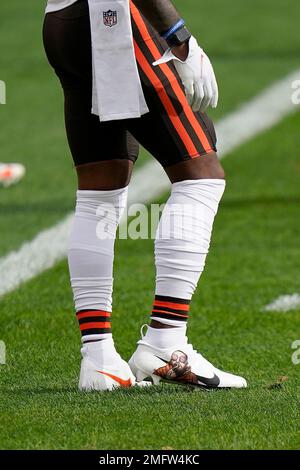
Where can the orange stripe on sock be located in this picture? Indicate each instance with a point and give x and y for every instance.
(170, 313)
(172, 78)
(93, 313)
(94, 325)
(159, 303)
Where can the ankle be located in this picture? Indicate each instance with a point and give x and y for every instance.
(160, 326)
(163, 338)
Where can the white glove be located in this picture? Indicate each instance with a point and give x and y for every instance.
(197, 76)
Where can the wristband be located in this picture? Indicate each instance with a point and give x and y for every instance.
(173, 29)
(181, 36)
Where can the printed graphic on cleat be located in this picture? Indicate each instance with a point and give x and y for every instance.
(178, 370)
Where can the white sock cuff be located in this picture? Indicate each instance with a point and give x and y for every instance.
(205, 191)
(91, 194)
(102, 205)
(217, 182)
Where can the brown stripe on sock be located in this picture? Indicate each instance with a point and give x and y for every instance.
(94, 322)
(171, 308)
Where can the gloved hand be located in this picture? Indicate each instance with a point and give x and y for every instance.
(197, 76)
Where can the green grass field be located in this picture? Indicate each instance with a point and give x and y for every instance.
(254, 259)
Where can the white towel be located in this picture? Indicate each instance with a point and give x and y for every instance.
(117, 89)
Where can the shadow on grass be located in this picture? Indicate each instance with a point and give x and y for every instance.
(163, 389)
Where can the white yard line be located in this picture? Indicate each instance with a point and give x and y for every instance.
(149, 182)
(284, 304)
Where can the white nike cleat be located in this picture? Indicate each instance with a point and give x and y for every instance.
(180, 365)
(102, 368)
(11, 173)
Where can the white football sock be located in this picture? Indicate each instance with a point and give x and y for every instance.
(91, 255)
(182, 244)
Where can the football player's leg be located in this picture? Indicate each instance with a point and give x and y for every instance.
(103, 155)
(181, 247)
(185, 144)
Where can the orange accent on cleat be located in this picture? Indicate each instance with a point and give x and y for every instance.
(123, 383)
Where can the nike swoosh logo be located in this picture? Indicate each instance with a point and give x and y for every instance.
(122, 382)
(213, 382)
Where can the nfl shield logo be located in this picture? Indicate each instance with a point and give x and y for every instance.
(110, 18)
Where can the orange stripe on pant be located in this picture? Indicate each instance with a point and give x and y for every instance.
(166, 101)
(172, 79)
